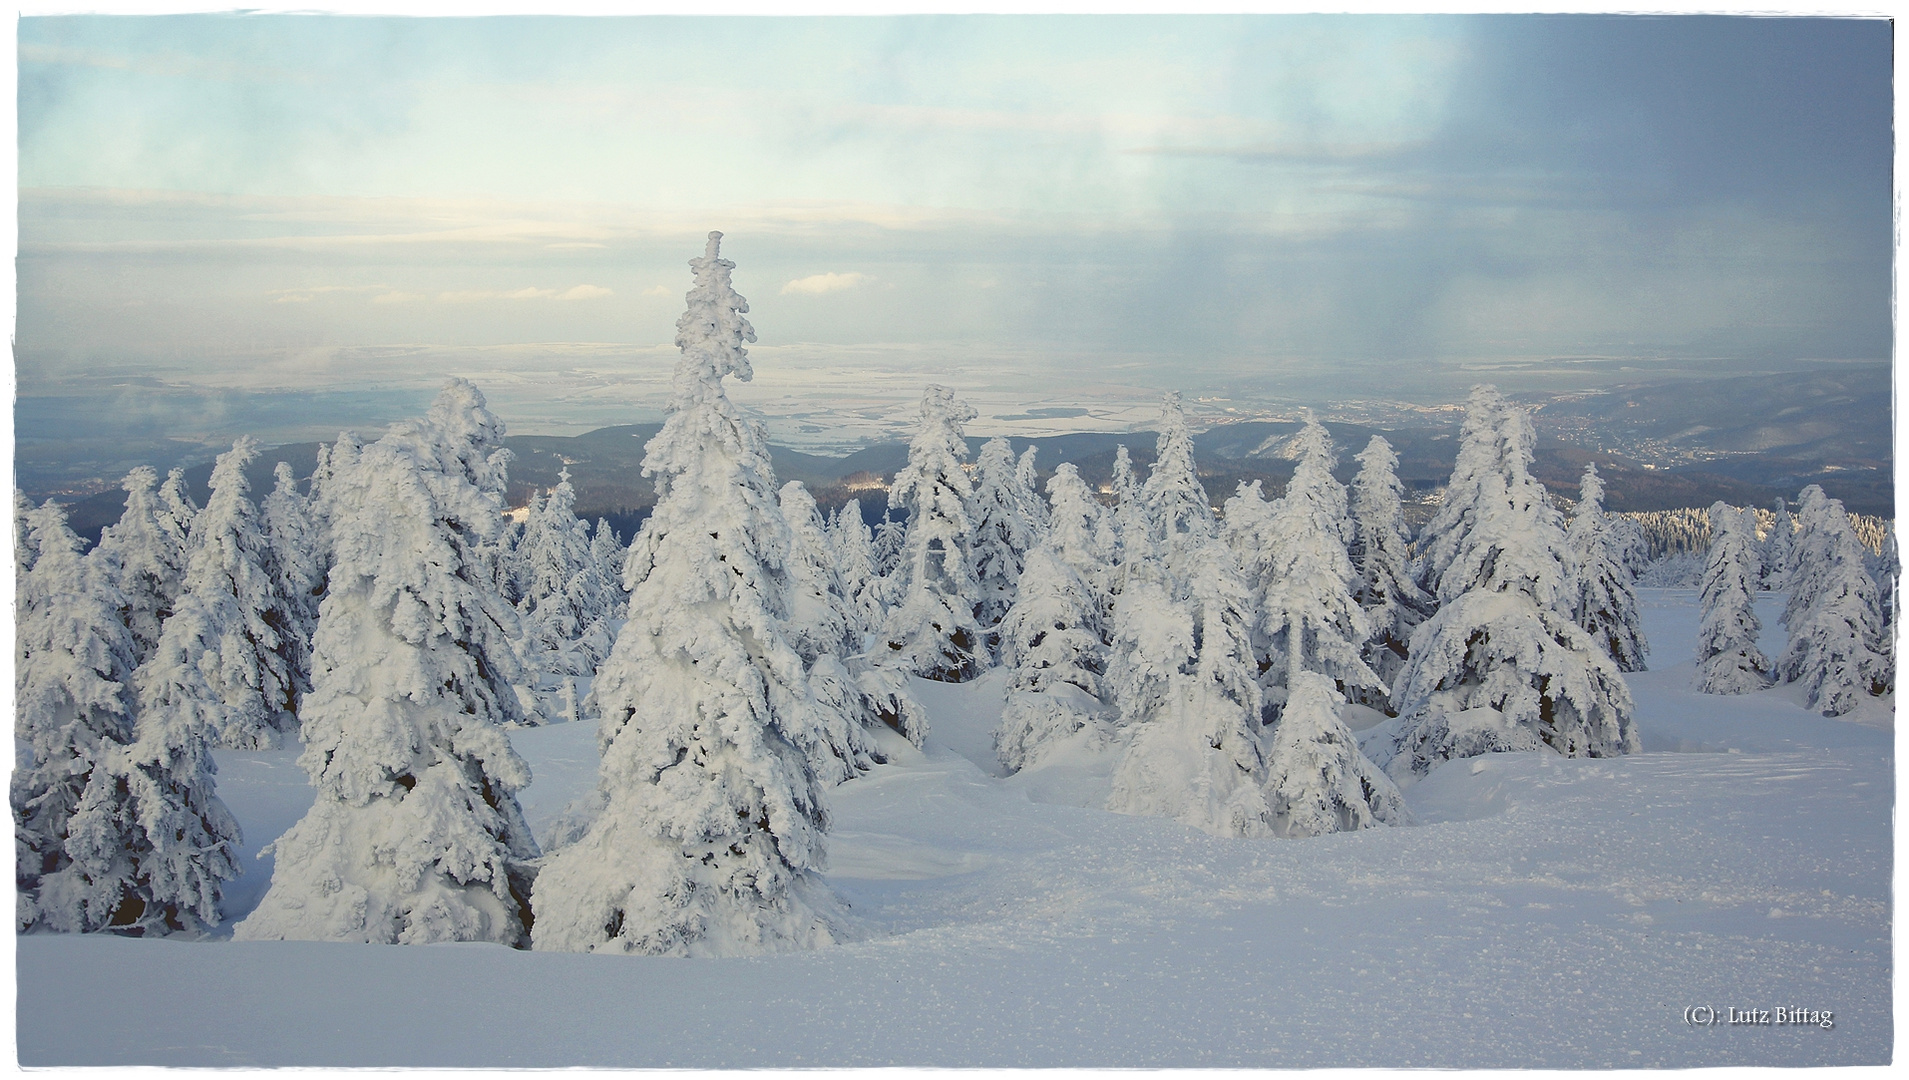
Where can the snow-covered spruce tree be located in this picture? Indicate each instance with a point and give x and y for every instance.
(1127, 522)
(1394, 604)
(1004, 531)
(298, 578)
(1603, 592)
(568, 596)
(1317, 780)
(1728, 661)
(1312, 632)
(1179, 515)
(1052, 639)
(151, 818)
(73, 666)
(1027, 477)
(1081, 537)
(711, 839)
(1779, 549)
(932, 627)
(824, 628)
(219, 661)
(415, 835)
(1501, 666)
(1835, 649)
(145, 553)
(856, 561)
(890, 537)
(1480, 463)
(1195, 753)
(175, 502)
(1301, 578)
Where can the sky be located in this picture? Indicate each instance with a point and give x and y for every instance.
(1298, 207)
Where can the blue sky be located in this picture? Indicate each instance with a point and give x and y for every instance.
(1302, 201)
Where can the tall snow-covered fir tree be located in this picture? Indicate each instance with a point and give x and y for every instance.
(415, 835)
(220, 658)
(1311, 631)
(1081, 536)
(1728, 660)
(860, 568)
(1480, 464)
(1179, 514)
(1195, 753)
(568, 595)
(1005, 530)
(824, 627)
(1051, 638)
(932, 627)
(1501, 666)
(711, 837)
(1301, 578)
(1835, 651)
(1603, 592)
(298, 577)
(145, 552)
(1779, 549)
(73, 707)
(1381, 557)
(1127, 523)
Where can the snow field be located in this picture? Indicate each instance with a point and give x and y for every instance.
(1543, 912)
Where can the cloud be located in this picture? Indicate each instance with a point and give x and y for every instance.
(528, 292)
(817, 284)
(398, 298)
(585, 292)
(658, 290)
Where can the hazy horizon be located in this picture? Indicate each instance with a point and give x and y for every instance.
(1058, 209)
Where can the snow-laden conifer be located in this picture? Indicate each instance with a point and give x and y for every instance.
(415, 835)
(1728, 660)
(219, 657)
(710, 839)
(1301, 578)
(1004, 530)
(73, 705)
(824, 628)
(861, 575)
(932, 627)
(1381, 557)
(1051, 637)
(298, 577)
(1603, 591)
(890, 537)
(1317, 781)
(1079, 533)
(1501, 666)
(1835, 651)
(1194, 755)
(145, 553)
(1480, 463)
(568, 595)
(1127, 521)
(1027, 488)
(175, 502)
(1778, 555)
(1179, 514)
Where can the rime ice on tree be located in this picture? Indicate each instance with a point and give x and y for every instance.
(932, 628)
(1501, 666)
(1394, 604)
(145, 554)
(415, 836)
(1005, 528)
(73, 666)
(711, 839)
(1728, 660)
(1835, 649)
(1604, 596)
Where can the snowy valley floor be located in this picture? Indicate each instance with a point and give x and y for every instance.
(1544, 912)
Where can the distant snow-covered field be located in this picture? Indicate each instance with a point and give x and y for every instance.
(1543, 912)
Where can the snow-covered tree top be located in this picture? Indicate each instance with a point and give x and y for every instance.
(712, 331)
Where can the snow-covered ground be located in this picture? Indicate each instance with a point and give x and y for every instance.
(1544, 912)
